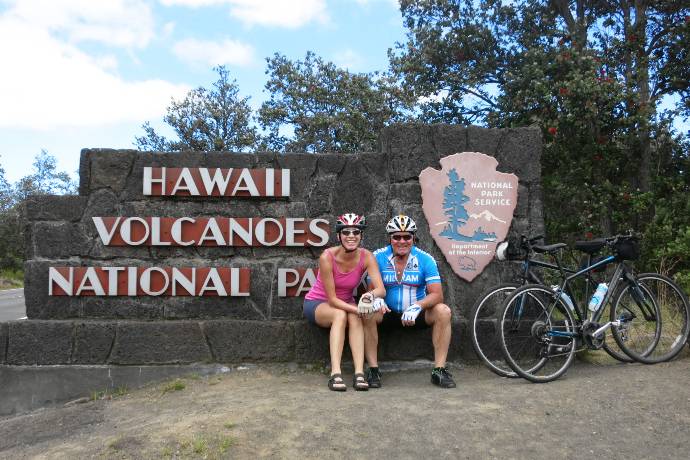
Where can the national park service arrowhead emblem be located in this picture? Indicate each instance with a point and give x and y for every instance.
(469, 207)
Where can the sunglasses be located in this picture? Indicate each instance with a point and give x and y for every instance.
(401, 237)
(351, 232)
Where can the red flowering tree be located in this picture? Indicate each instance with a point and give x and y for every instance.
(592, 74)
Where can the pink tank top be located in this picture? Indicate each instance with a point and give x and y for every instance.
(345, 283)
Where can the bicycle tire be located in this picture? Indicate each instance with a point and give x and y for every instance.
(610, 346)
(672, 326)
(530, 322)
(484, 331)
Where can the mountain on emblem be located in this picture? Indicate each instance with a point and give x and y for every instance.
(486, 215)
(469, 206)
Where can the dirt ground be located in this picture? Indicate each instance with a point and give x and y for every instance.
(286, 411)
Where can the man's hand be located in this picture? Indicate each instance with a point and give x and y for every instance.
(410, 314)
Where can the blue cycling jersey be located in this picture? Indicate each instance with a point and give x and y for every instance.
(421, 269)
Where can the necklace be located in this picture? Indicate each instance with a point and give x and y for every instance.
(400, 269)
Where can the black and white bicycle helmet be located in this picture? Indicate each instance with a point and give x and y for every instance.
(349, 220)
(401, 223)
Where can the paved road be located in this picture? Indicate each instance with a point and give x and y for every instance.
(12, 304)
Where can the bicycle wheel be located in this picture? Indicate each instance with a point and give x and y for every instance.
(651, 338)
(610, 346)
(537, 334)
(484, 332)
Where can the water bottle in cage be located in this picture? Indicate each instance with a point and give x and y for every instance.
(598, 296)
(564, 297)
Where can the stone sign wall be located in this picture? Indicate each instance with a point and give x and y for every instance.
(264, 325)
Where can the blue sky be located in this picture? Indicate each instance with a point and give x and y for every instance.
(88, 73)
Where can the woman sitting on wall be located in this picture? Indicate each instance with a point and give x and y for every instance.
(330, 302)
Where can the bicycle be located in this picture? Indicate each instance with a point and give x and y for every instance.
(539, 335)
(483, 330)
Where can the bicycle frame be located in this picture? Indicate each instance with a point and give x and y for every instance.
(621, 273)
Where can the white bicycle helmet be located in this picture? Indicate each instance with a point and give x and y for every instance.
(401, 223)
(348, 220)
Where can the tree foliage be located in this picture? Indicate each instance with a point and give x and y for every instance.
(44, 179)
(215, 119)
(591, 73)
(314, 106)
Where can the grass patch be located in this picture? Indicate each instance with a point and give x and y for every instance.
(200, 446)
(96, 395)
(121, 390)
(167, 452)
(175, 385)
(11, 279)
(115, 444)
(229, 425)
(319, 367)
(225, 444)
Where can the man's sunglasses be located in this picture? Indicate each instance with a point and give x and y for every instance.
(351, 232)
(401, 237)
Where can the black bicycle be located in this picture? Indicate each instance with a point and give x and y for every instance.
(648, 317)
(484, 313)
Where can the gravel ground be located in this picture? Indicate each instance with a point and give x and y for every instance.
(286, 411)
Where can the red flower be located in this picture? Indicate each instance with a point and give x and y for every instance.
(626, 196)
(589, 235)
(563, 91)
(597, 157)
(552, 130)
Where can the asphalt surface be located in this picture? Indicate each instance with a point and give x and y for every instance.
(12, 305)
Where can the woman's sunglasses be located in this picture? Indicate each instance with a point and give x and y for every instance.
(351, 232)
(401, 237)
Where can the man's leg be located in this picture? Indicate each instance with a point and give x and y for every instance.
(439, 318)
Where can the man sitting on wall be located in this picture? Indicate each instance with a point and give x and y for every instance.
(414, 299)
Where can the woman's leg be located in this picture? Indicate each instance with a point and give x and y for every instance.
(356, 340)
(336, 320)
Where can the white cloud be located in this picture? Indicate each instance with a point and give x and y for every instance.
(348, 59)
(124, 23)
(214, 53)
(282, 13)
(49, 83)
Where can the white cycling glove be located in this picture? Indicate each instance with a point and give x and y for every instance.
(379, 303)
(411, 313)
(366, 304)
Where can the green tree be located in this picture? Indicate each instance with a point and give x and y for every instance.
(592, 74)
(44, 179)
(10, 244)
(315, 106)
(205, 120)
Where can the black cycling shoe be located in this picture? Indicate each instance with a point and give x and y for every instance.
(441, 377)
(374, 377)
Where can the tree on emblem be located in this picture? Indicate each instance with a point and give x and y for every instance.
(454, 200)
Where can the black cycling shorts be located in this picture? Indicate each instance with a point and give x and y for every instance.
(393, 320)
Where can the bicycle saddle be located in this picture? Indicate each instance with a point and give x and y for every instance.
(591, 246)
(540, 248)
